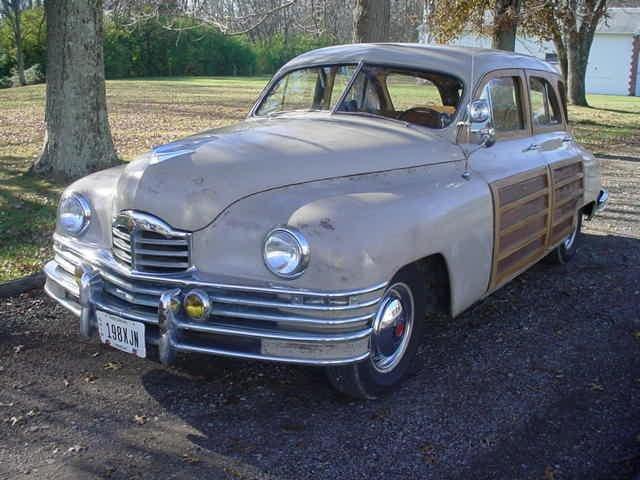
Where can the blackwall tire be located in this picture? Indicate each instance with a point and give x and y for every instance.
(393, 355)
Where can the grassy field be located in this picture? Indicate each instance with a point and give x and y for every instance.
(149, 112)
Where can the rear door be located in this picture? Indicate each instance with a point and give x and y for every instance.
(518, 177)
(551, 138)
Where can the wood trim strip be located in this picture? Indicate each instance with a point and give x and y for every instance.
(523, 243)
(519, 267)
(521, 223)
(558, 221)
(521, 201)
(564, 201)
(568, 181)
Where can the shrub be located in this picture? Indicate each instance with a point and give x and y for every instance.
(151, 50)
(275, 52)
(34, 40)
(5, 82)
(32, 75)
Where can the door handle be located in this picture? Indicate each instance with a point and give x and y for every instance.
(533, 146)
(567, 138)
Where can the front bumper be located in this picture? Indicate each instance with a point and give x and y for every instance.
(246, 321)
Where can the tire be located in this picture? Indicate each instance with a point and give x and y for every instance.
(564, 252)
(394, 345)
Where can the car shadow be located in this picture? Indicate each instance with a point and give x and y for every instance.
(541, 378)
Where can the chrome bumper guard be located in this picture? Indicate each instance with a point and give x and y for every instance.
(600, 204)
(255, 322)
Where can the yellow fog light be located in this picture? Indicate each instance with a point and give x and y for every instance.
(77, 273)
(197, 305)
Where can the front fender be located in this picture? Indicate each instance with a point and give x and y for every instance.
(99, 189)
(362, 230)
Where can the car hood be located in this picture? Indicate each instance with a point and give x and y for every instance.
(188, 183)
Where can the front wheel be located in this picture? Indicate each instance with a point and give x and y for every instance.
(397, 331)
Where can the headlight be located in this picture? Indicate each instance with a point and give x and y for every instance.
(286, 252)
(74, 214)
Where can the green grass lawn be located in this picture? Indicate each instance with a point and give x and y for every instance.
(149, 112)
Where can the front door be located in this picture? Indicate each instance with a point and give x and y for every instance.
(517, 173)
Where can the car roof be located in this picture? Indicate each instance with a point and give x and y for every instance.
(467, 63)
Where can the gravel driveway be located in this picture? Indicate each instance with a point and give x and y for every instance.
(539, 381)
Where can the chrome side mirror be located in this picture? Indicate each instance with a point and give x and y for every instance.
(479, 122)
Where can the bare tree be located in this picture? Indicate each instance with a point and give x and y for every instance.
(371, 19)
(78, 139)
(12, 11)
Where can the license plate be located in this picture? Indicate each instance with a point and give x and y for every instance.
(125, 335)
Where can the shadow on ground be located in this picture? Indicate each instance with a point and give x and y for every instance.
(541, 378)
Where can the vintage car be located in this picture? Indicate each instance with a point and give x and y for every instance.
(370, 187)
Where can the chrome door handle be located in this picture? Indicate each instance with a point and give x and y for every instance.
(533, 146)
(567, 138)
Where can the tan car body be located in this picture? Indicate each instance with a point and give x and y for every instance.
(371, 196)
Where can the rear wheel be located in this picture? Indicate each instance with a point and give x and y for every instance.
(397, 331)
(567, 249)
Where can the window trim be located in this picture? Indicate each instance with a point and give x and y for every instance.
(524, 101)
(266, 91)
(552, 81)
(399, 68)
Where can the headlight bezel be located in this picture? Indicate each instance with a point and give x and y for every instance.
(302, 245)
(84, 207)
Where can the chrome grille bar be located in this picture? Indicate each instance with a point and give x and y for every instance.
(144, 243)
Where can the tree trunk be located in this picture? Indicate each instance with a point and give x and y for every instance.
(505, 24)
(17, 32)
(576, 75)
(561, 51)
(371, 21)
(78, 140)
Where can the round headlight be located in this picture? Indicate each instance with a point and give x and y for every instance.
(286, 252)
(74, 214)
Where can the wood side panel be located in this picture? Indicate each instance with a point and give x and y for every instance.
(522, 222)
(567, 185)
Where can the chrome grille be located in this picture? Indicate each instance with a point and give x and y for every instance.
(146, 244)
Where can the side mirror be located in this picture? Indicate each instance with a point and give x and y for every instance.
(479, 122)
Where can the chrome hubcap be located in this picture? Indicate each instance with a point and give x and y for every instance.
(568, 242)
(392, 328)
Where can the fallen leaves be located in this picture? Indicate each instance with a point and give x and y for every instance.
(190, 458)
(90, 378)
(549, 473)
(140, 419)
(75, 449)
(112, 366)
(596, 387)
(429, 453)
(18, 348)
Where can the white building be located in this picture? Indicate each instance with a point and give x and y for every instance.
(614, 66)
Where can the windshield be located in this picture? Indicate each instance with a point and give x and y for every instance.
(315, 88)
(423, 98)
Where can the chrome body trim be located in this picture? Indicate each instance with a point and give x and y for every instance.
(256, 322)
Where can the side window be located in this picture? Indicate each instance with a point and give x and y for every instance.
(503, 94)
(409, 91)
(545, 109)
